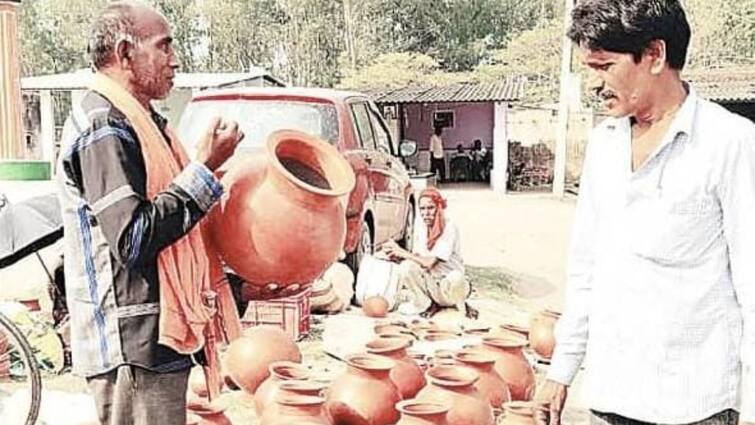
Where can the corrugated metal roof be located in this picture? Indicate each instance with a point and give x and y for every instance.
(736, 85)
(508, 90)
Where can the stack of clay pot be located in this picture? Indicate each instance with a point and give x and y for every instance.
(454, 387)
(541, 337)
(406, 374)
(332, 292)
(364, 393)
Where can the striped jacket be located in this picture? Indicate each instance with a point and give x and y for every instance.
(113, 235)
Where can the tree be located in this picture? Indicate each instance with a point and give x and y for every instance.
(394, 70)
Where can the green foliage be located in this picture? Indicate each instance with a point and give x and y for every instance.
(394, 70)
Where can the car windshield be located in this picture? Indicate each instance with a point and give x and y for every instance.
(259, 118)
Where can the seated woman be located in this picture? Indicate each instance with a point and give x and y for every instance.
(432, 275)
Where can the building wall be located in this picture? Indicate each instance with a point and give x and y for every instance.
(471, 121)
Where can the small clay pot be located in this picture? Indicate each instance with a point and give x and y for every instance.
(364, 394)
(511, 365)
(248, 358)
(453, 386)
(415, 412)
(541, 336)
(279, 372)
(407, 375)
(490, 384)
(375, 307)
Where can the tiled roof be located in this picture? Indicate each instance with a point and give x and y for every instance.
(508, 90)
(725, 86)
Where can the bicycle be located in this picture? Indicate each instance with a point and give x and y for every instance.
(20, 378)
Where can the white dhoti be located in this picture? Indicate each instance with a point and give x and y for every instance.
(418, 288)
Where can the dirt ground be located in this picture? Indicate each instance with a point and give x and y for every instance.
(515, 247)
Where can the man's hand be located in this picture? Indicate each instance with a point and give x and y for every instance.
(393, 251)
(553, 395)
(218, 143)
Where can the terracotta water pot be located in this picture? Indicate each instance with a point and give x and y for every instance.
(295, 388)
(511, 364)
(281, 222)
(279, 372)
(296, 409)
(407, 375)
(364, 394)
(490, 384)
(376, 306)
(453, 386)
(541, 337)
(248, 358)
(414, 412)
(521, 412)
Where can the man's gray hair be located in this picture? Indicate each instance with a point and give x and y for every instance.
(115, 24)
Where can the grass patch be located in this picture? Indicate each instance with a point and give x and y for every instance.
(490, 282)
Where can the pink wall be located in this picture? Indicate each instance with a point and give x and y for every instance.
(471, 121)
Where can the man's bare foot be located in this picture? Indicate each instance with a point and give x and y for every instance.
(430, 312)
(470, 313)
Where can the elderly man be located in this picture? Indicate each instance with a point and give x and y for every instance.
(661, 285)
(139, 277)
(432, 275)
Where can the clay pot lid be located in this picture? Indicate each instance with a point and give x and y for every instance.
(452, 376)
(288, 370)
(387, 344)
(367, 361)
(302, 385)
(505, 341)
(473, 356)
(298, 400)
(421, 408)
(283, 143)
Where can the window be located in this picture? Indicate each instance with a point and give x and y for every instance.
(443, 119)
(364, 128)
(382, 137)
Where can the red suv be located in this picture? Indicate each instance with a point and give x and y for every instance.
(381, 206)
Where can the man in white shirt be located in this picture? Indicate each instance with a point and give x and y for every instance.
(437, 160)
(432, 275)
(660, 301)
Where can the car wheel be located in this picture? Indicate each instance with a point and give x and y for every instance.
(364, 247)
(407, 242)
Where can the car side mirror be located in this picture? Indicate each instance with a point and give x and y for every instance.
(407, 148)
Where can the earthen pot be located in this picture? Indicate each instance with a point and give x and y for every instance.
(435, 335)
(517, 329)
(541, 337)
(407, 375)
(375, 307)
(295, 409)
(490, 384)
(280, 222)
(453, 386)
(414, 412)
(294, 388)
(248, 358)
(279, 372)
(511, 365)
(364, 394)
(521, 412)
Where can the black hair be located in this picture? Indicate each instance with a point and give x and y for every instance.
(628, 26)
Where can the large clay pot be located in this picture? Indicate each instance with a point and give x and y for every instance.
(364, 394)
(294, 388)
(490, 384)
(296, 409)
(248, 358)
(407, 375)
(281, 222)
(279, 372)
(521, 412)
(453, 386)
(541, 337)
(511, 364)
(414, 412)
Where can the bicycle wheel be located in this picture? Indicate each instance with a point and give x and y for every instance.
(20, 380)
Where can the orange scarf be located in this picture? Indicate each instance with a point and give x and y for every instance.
(434, 232)
(189, 270)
